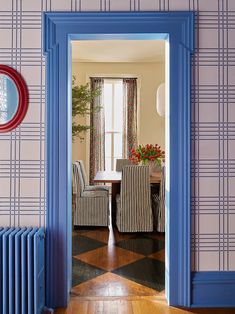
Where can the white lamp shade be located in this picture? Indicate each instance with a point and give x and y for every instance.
(160, 100)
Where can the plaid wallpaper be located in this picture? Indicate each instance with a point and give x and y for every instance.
(22, 154)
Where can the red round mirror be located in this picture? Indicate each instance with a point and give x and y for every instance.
(13, 98)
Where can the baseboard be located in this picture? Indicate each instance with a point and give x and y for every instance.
(213, 289)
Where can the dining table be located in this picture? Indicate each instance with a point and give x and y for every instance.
(115, 177)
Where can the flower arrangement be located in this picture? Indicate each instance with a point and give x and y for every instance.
(147, 154)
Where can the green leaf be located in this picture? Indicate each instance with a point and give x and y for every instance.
(82, 97)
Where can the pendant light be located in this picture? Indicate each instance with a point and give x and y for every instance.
(160, 100)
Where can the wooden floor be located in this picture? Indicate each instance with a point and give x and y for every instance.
(130, 305)
(109, 292)
(107, 263)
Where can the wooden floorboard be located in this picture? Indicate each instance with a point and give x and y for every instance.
(130, 305)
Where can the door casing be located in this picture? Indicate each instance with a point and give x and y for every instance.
(59, 29)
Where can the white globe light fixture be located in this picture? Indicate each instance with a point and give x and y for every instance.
(160, 100)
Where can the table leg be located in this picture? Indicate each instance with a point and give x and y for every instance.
(115, 191)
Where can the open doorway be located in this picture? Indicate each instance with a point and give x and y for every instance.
(126, 129)
(59, 29)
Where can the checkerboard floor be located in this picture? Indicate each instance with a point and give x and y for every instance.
(109, 263)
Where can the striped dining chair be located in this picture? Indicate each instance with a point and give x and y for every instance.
(91, 187)
(120, 163)
(161, 212)
(92, 207)
(134, 212)
(158, 204)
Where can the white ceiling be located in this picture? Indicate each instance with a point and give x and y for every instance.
(118, 50)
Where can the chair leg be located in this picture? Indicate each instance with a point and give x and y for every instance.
(73, 209)
(115, 191)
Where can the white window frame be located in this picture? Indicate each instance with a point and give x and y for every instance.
(120, 76)
(112, 132)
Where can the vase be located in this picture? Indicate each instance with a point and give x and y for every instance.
(152, 167)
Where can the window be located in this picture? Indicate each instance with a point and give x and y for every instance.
(113, 107)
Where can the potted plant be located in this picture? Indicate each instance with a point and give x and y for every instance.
(82, 97)
(148, 154)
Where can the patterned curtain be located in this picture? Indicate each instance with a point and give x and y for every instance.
(129, 115)
(97, 135)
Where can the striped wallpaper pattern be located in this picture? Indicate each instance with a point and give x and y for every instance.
(22, 152)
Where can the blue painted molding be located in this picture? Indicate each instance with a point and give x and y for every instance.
(59, 29)
(48, 311)
(213, 289)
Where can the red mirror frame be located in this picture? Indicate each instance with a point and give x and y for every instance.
(23, 98)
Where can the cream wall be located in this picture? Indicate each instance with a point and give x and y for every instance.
(151, 127)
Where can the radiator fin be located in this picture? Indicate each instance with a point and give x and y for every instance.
(22, 270)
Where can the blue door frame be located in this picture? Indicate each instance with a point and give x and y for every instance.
(59, 29)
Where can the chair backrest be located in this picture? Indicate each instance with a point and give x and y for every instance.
(83, 170)
(78, 178)
(135, 192)
(120, 163)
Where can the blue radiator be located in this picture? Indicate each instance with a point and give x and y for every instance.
(22, 270)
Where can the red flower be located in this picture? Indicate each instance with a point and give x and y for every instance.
(148, 152)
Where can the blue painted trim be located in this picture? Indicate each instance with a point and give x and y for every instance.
(59, 29)
(213, 289)
(48, 311)
(119, 36)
